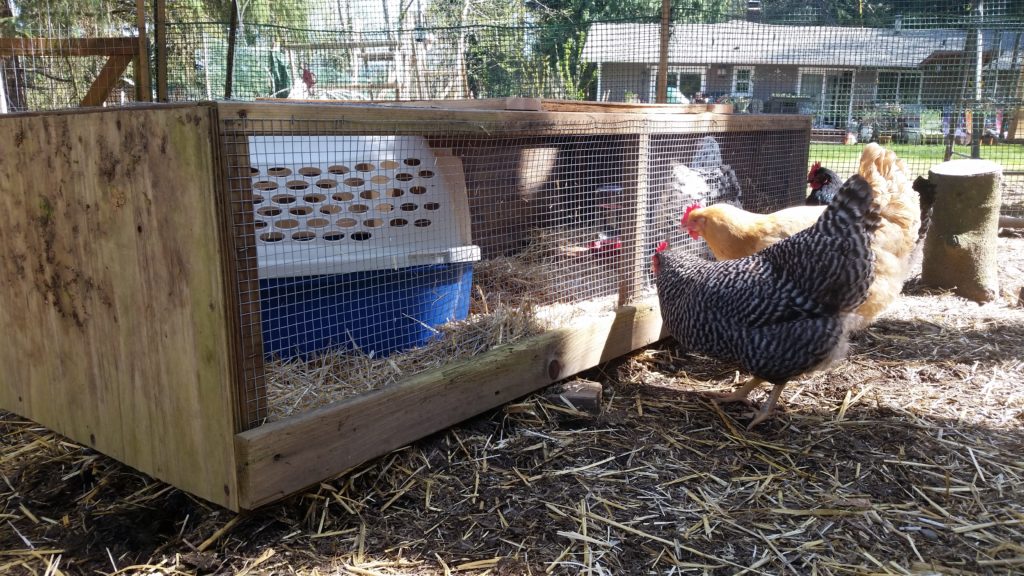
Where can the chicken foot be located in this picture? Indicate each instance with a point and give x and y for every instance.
(740, 395)
(768, 409)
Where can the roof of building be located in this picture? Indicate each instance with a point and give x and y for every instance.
(744, 42)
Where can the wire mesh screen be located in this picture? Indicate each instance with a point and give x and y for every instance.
(366, 255)
(937, 80)
(64, 54)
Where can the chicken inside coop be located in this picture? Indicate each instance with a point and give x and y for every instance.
(824, 184)
(707, 178)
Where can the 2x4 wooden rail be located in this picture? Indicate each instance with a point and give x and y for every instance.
(120, 52)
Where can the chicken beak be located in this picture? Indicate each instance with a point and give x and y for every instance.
(693, 228)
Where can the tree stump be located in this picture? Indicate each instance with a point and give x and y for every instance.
(960, 249)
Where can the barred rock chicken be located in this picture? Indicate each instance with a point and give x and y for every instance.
(783, 311)
(824, 185)
(733, 233)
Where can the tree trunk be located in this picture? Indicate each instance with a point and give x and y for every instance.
(960, 249)
(232, 36)
(460, 53)
(12, 74)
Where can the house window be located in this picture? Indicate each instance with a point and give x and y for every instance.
(898, 87)
(743, 81)
(684, 83)
(828, 94)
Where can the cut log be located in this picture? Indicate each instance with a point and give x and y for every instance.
(960, 249)
(1011, 222)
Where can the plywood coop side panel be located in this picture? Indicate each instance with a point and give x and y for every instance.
(112, 292)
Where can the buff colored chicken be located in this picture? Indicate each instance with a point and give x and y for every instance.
(734, 233)
(896, 242)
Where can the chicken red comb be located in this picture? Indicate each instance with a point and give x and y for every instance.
(655, 261)
(814, 169)
(690, 208)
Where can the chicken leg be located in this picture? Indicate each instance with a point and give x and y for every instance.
(740, 395)
(768, 408)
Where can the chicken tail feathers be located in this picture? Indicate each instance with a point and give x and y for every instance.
(853, 206)
(926, 189)
(829, 267)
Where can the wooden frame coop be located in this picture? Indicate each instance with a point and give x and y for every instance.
(128, 301)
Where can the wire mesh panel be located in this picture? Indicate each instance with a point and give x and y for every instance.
(937, 79)
(369, 249)
(56, 54)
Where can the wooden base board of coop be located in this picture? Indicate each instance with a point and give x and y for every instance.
(283, 457)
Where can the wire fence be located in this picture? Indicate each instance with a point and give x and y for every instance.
(383, 241)
(370, 248)
(935, 79)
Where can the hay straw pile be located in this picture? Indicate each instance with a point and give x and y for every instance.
(511, 299)
(907, 459)
(1013, 196)
(297, 386)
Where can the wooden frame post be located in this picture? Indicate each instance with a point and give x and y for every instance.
(229, 73)
(661, 95)
(143, 87)
(239, 246)
(631, 282)
(160, 40)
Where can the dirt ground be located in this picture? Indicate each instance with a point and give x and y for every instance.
(907, 458)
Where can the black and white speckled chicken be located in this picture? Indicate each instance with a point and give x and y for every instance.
(783, 311)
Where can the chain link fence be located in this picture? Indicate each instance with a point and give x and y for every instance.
(934, 79)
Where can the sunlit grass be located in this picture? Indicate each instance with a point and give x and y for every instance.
(920, 158)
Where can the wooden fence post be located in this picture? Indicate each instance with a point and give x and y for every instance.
(160, 40)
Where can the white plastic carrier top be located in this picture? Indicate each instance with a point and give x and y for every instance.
(339, 204)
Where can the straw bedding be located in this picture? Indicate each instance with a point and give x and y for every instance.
(905, 459)
(512, 298)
